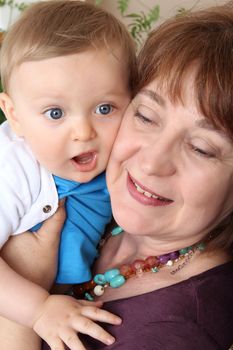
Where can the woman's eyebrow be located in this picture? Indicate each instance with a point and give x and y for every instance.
(207, 125)
(154, 96)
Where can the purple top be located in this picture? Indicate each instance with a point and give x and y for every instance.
(193, 314)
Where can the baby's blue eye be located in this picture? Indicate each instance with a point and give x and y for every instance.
(54, 113)
(104, 109)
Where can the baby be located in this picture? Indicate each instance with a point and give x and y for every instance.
(67, 69)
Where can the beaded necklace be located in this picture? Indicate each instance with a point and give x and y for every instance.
(116, 277)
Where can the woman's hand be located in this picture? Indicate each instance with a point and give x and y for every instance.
(34, 255)
(62, 317)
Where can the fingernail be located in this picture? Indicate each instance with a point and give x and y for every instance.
(118, 320)
(110, 340)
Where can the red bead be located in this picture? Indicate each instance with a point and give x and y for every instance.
(138, 265)
(126, 271)
(152, 261)
(89, 285)
(79, 289)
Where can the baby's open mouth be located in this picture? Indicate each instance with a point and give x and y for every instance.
(85, 158)
(86, 161)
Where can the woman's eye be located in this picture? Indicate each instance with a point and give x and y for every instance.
(54, 113)
(104, 109)
(142, 118)
(203, 153)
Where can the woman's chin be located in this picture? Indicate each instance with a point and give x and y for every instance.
(133, 224)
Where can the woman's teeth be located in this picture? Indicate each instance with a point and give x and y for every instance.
(148, 194)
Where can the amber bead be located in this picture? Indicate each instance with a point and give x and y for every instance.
(126, 271)
(152, 261)
(79, 289)
(138, 265)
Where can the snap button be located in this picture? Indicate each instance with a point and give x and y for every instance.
(47, 208)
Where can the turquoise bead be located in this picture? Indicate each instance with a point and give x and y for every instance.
(190, 247)
(88, 296)
(155, 269)
(116, 231)
(201, 246)
(183, 251)
(117, 281)
(110, 274)
(100, 279)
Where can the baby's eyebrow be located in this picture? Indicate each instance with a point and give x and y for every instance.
(154, 96)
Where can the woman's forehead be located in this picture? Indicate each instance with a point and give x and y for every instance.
(186, 91)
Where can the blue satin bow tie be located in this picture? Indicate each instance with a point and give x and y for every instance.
(88, 210)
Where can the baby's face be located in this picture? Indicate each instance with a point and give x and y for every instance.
(69, 109)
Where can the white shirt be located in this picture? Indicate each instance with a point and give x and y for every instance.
(28, 193)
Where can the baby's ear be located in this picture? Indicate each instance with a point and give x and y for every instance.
(7, 106)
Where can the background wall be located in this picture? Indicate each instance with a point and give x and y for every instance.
(167, 7)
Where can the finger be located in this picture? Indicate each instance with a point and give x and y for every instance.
(52, 227)
(90, 303)
(61, 202)
(71, 339)
(86, 326)
(56, 221)
(56, 344)
(101, 315)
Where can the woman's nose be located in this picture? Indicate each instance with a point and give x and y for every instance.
(158, 158)
(83, 130)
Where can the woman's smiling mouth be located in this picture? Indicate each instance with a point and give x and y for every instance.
(143, 195)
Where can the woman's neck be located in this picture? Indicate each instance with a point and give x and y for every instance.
(125, 248)
(141, 246)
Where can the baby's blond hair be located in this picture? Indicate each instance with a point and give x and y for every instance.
(55, 28)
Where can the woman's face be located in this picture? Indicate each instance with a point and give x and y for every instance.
(170, 172)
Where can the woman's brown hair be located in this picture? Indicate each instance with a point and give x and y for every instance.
(202, 39)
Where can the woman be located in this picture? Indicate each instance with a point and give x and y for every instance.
(170, 178)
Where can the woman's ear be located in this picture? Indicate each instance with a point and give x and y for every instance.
(7, 106)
